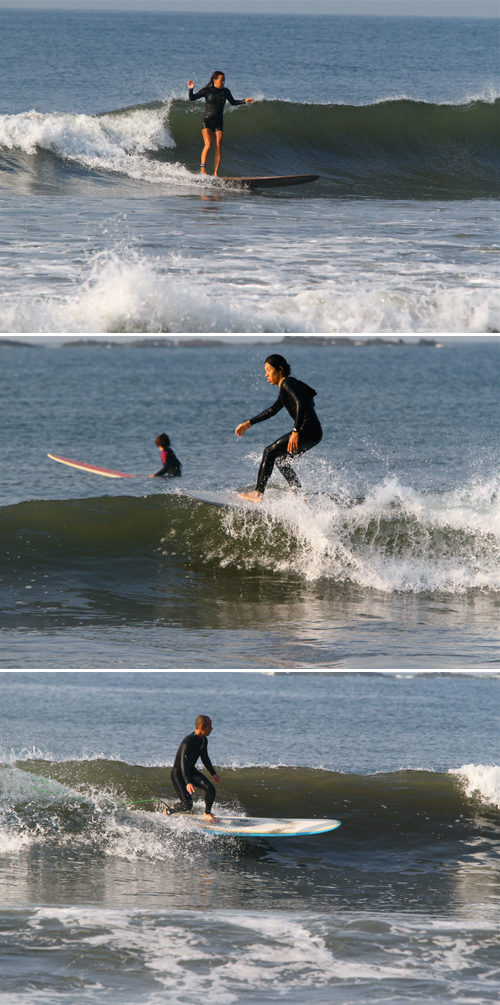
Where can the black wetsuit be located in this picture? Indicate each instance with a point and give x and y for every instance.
(185, 773)
(172, 467)
(215, 98)
(297, 398)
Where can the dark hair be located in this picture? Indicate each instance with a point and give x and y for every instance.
(163, 441)
(279, 363)
(216, 73)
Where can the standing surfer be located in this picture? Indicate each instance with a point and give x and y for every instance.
(216, 95)
(297, 398)
(185, 776)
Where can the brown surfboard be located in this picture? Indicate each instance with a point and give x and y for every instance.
(272, 181)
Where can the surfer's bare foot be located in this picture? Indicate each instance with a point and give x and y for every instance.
(251, 496)
(211, 819)
(203, 169)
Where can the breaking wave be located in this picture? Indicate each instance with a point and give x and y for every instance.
(393, 539)
(392, 149)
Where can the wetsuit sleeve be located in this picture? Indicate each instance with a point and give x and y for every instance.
(184, 763)
(292, 389)
(268, 412)
(207, 762)
(232, 101)
(199, 94)
(166, 464)
(172, 466)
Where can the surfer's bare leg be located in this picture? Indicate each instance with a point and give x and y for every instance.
(207, 139)
(218, 151)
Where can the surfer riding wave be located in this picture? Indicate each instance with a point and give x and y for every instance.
(297, 398)
(216, 95)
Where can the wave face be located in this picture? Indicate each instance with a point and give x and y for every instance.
(385, 817)
(394, 539)
(395, 149)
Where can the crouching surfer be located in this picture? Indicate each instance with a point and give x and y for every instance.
(185, 776)
(297, 398)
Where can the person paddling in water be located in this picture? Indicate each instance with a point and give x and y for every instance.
(185, 776)
(216, 95)
(297, 398)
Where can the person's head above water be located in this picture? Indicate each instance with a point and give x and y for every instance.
(276, 368)
(163, 441)
(203, 725)
(217, 79)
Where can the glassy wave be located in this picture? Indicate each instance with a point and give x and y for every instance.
(394, 149)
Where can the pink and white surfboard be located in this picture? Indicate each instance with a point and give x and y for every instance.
(93, 468)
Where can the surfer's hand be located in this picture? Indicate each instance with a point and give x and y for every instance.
(216, 779)
(242, 428)
(190, 84)
(248, 101)
(191, 789)
(293, 443)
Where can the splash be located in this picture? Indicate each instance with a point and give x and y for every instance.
(125, 291)
(480, 781)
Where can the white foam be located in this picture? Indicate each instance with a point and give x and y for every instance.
(115, 142)
(220, 955)
(480, 781)
(446, 542)
(121, 290)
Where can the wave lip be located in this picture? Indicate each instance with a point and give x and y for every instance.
(480, 781)
(116, 142)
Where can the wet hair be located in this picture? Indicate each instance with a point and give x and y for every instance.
(279, 363)
(215, 74)
(163, 441)
(202, 722)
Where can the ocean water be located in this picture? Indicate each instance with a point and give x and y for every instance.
(108, 227)
(103, 899)
(390, 559)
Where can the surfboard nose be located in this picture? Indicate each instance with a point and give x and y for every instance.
(272, 181)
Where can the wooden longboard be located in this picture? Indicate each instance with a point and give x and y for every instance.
(272, 181)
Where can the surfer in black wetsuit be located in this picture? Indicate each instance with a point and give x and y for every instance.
(216, 95)
(297, 398)
(185, 776)
(172, 467)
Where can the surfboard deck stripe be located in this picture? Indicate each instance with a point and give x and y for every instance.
(269, 828)
(256, 826)
(93, 468)
(273, 181)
